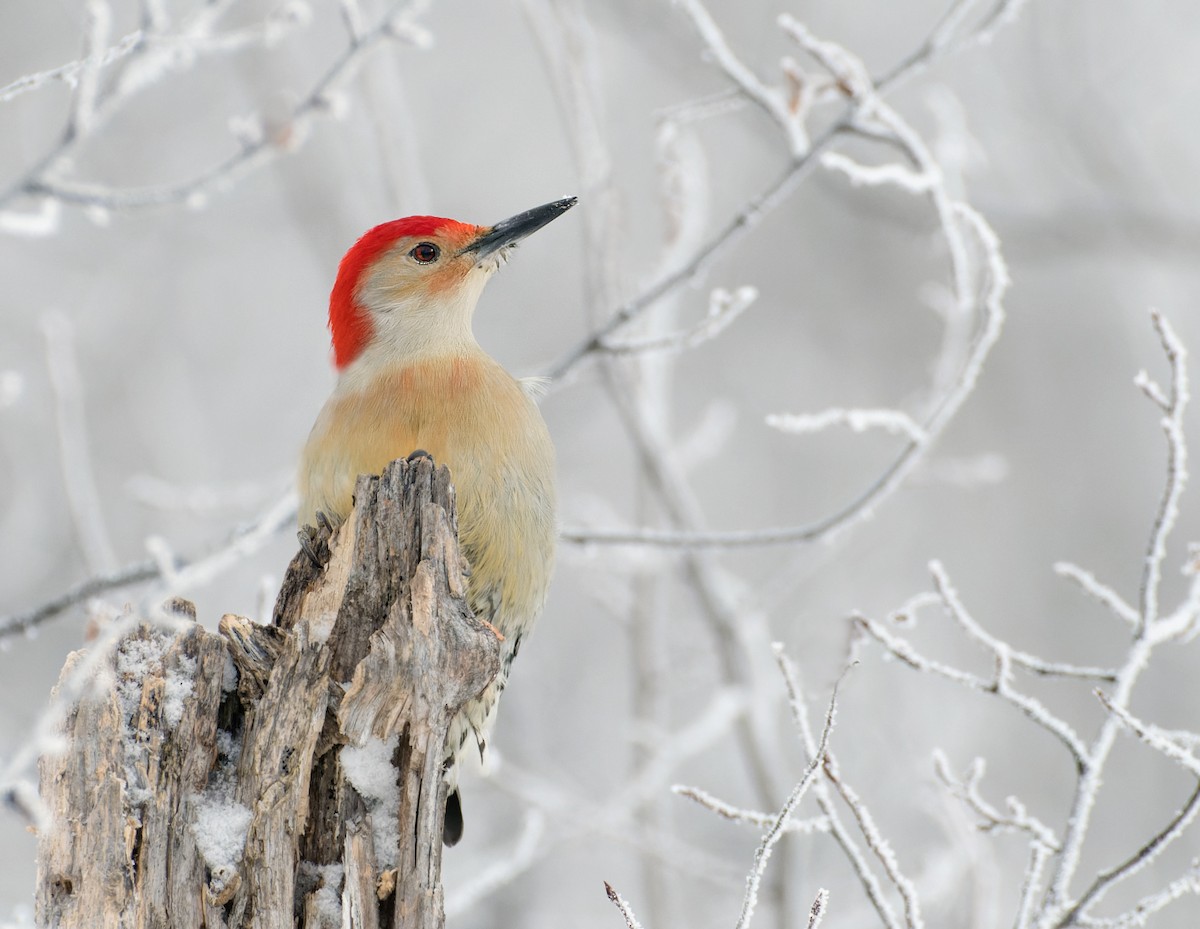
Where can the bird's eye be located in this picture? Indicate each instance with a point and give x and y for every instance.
(425, 252)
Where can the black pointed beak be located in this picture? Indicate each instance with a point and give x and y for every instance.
(512, 230)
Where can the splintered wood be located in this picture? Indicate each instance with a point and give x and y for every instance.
(283, 776)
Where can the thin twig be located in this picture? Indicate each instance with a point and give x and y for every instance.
(626, 912)
(854, 855)
(749, 817)
(1174, 406)
(244, 538)
(1102, 593)
(1003, 652)
(878, 844)
(1018, 818)
(254, 150)
(779, 826)
(1000, 687)
(1138, 860)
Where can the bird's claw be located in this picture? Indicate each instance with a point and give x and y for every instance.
(305, 538)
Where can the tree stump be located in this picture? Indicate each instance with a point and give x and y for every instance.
(282, 776)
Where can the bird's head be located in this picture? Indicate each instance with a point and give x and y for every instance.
(409, 286)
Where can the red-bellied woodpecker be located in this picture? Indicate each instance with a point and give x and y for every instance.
(411, 376)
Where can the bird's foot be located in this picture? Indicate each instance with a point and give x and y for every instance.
(307, 540)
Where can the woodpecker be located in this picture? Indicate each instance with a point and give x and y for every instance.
(411, 376)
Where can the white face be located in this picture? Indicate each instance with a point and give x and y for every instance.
(421, 295)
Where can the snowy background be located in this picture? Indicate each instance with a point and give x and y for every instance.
(163, 354)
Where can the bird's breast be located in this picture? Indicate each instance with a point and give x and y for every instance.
(471, 415)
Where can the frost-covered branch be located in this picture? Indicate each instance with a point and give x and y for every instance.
(69, 73)
(1017, 819)
(1005, 656)
(244, 540)
(824, 797)
(1098, 591)
(630, 920)
(779, 826)
(895, 422)
(749, 817)
(1000, 685)
(979, 283)
(723, 308)
(1046, 899)
(153, 56)
(878, 844)
(1173, 403)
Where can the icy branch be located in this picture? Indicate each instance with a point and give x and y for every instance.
(99, 23)
(779, 826)
(630, 920)
(749, 817)
(770, 99)
(70, 72)
(858, 420)
(1174, 405)
(1137, 917)
(242, 541)
(817, 911)
(1152, 735)
(878, 175)
(1000, 685)
(1017, 819)
(1098, 591)
(1005, 656)
(150, 58)
(723, 308)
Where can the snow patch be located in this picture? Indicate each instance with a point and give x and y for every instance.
(179, 686)
(368, 767)
(221, 823)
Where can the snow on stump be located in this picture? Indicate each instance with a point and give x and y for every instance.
(276, 776)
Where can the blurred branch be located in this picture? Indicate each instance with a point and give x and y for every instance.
(244, 539)
(613, 816)
(964, 231)
(950, 36)
(941, 41)
(748, 817)
(79, 477)
(257, 146)
(69, 73)
(723, 309)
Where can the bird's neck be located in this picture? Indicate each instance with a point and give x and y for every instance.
(434, 369)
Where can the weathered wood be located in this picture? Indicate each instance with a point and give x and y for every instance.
(189, 795)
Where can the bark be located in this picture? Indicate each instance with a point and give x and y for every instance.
(187, 795)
